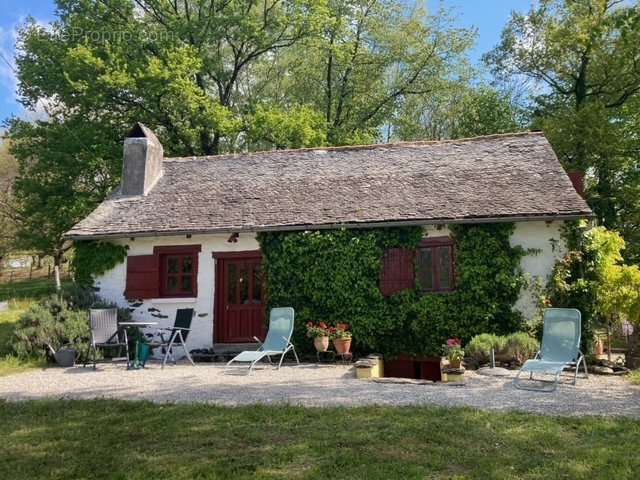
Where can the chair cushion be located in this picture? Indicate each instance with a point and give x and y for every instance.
(249, 356)
(543, 367)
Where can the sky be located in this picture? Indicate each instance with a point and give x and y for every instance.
(488, 16)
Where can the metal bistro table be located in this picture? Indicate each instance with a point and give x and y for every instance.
(135, 364)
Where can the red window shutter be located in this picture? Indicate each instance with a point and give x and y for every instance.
(397, 271)
(143, 278)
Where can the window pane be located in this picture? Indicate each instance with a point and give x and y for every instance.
(425, 268)
(244, 286)
(187, 264)
(257, 284)
(444, 267)
(172, 283)
(186, 284)
(232, 281)
(173, 264)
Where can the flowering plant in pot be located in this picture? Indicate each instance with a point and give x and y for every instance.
(341, 338)
(454, 352)
(320, 334)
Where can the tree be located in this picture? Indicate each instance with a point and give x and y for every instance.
(594, 278)
(299, 126)
(617, 285)
(460, 111)
(65, 167)
(582, 56)
(173, 65)
(8, 211)
(370, 57)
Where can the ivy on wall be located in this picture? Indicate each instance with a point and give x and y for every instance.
(333, 275)
(574, 280)
(93, 257)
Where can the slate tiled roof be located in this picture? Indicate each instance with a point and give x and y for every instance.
(514, 176)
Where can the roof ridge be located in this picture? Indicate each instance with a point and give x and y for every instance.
(225, 156)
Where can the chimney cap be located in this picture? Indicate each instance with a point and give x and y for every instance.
(140, 130)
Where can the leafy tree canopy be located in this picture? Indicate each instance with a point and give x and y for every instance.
(582, 58)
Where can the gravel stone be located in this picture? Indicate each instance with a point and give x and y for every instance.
(317, 386)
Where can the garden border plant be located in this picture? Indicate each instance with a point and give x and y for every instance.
(59, 320)
(334, 275)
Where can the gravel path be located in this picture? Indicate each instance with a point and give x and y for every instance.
(314, 385)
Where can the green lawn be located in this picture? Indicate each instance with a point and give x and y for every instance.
(9, 364)
(28, 289)
(635, 377)
(139, 440)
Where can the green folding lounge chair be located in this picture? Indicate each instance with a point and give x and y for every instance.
(560, 349)
(278, 341)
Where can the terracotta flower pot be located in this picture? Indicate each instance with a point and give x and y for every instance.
(599, 348)
(342, 345)
(321, 343)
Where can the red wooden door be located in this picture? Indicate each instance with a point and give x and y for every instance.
(239, 294)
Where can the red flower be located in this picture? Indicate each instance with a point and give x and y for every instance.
(322, 325)
(342, 326)
(309, 324)
(454, 342)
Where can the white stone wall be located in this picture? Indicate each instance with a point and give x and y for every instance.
(112, 284)
(544, 237)
(543, 240)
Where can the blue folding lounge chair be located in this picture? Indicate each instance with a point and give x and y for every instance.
(278, 341)
(560, 349)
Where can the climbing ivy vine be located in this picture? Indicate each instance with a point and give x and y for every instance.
(93, 258)
(333, 275)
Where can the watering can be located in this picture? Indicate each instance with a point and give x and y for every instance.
(65, 357)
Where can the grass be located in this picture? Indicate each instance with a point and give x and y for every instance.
(28, 289)
(9, 364)
(634, 376)
(139, 440)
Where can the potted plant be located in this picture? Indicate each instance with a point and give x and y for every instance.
(341, 338)
(320, 335)
(454, 352)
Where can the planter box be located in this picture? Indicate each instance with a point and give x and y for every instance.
(418, 368)
(370, 367)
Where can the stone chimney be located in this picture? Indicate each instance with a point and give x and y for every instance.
(142, 164)
(577, 179)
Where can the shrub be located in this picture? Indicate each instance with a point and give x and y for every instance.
(479, 348)
(49, 321)
(79, 298)
(521, 346)
(58, 322)
(34, 327)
